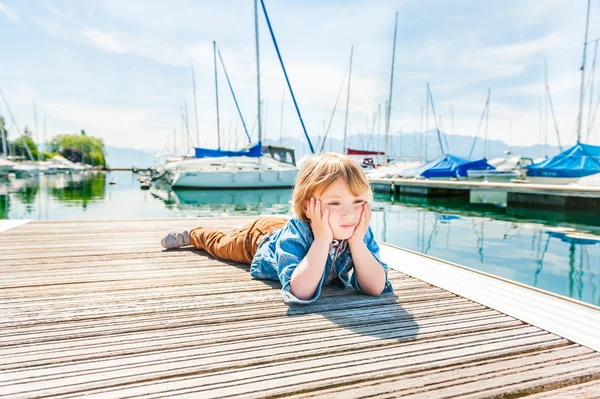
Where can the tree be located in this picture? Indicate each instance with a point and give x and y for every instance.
(27, 132)
(18, 148)
(3, 130)
(80, 148)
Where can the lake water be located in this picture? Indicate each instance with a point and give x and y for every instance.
(552, 250)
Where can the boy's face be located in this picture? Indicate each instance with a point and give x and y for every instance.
(344, 208)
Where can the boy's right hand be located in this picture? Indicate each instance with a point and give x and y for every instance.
(319, 220)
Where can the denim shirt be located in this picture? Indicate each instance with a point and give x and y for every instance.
(281, 251)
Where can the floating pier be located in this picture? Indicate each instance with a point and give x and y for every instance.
(99, 309)
(558, 196)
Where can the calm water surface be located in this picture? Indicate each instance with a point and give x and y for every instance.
(551, 250)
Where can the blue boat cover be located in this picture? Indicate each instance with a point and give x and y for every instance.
(577, 161)
(447, 165)
(253, 151)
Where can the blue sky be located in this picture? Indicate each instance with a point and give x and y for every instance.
(121, 69)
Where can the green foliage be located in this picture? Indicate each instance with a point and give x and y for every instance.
(3, 127)
(71, 147)
(18, 148)
(81, 192)
(48, 155)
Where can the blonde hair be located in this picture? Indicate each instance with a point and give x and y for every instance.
(321, 171)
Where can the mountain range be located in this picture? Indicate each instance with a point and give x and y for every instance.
(404, 146)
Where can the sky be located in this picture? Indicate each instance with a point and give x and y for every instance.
(121, 70)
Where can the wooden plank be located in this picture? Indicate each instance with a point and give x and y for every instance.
(160, 342)
(273, 360)
(580, 391)
(449, 381)
(566, 317)
(100, 309)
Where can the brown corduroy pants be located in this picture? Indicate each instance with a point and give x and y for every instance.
(238, 245)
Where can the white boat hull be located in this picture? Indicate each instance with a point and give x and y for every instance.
(235, 179)
(591, 180)
(493, 175)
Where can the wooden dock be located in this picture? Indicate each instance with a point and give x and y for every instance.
(99, 309)
(548, 195)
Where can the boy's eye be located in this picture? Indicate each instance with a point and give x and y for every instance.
(334, 203)
(359, 201)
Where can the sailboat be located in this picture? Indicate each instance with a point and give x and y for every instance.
(255, 166)
(577, 164)
(446, 166)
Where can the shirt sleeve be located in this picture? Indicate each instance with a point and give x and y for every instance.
(291, 248)
(373, 247)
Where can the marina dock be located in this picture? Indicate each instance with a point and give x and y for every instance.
(556, 196)
(98, 308)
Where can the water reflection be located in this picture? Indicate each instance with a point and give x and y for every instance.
(554, 255)
(558, 251)
(227, 202)
(32, 196)
(79, 189)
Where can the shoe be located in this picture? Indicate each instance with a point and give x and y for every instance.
(175, 239)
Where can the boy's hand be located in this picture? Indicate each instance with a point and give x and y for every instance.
(363, 225)
(319, 220)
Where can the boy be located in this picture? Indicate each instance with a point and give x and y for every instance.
(329, 236)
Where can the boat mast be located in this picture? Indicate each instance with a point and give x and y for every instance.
(3, 134)
(281, 124)
(345, 147)
(581, 92)
(217, 95)
(17, 127)
(552, 106)
(264, 8)
(426, 121)
(257, 69)
(592, 91)
(421, 135)
(389, 110)
(37, 131)
(195, 108)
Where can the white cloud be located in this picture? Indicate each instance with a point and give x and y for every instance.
(9, 13)
(103, 40)
(461, 51)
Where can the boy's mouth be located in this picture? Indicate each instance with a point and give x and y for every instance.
(348, 226)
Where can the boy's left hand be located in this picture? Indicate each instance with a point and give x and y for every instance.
(363, 225)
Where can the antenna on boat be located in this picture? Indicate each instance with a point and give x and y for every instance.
(389, 105)
(345, 147)
(581, 91)
(217, 95)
